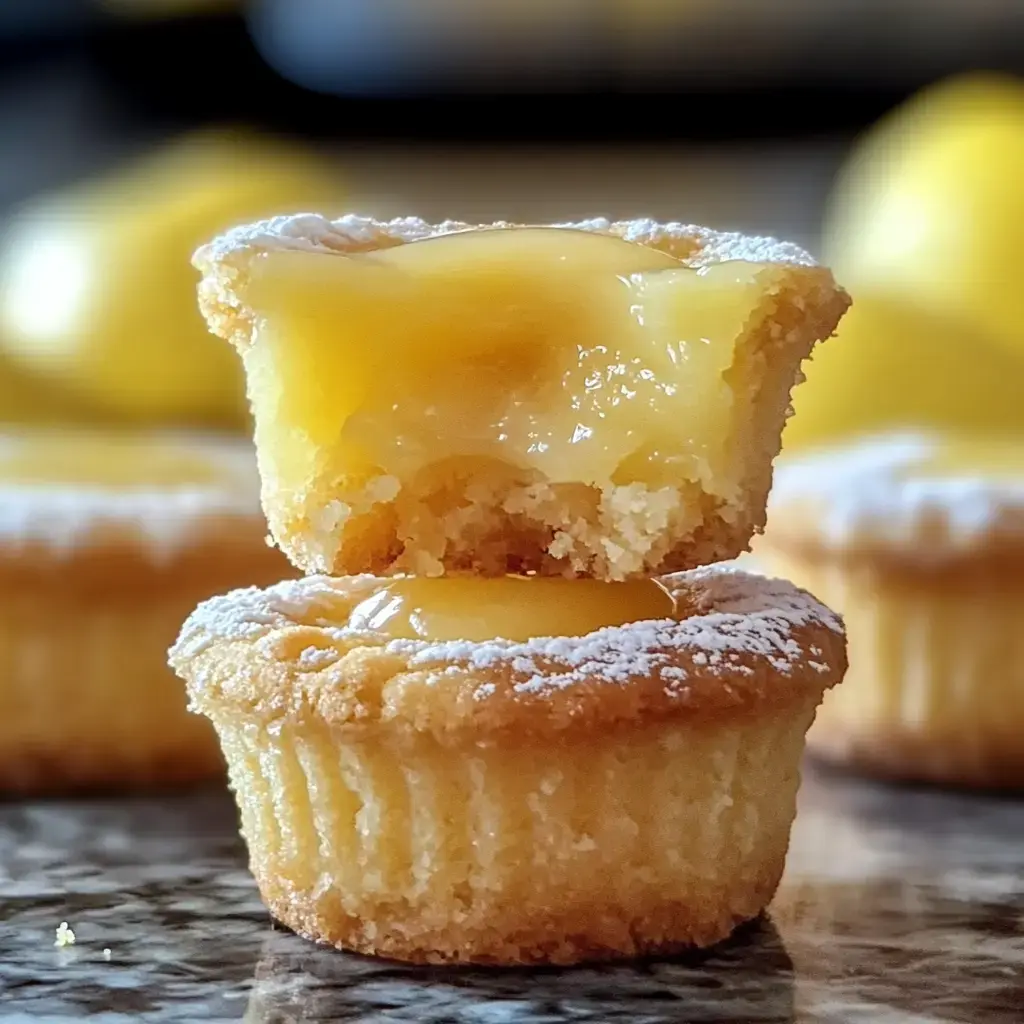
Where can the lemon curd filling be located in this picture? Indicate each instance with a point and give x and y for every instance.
(599, 400)
(588, 358)
(104, 460)
(584, 356)
(512, 607)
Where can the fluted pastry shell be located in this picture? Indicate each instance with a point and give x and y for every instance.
(557, 800)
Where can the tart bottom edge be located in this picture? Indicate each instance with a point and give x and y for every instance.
(655, 839)
(588, 934)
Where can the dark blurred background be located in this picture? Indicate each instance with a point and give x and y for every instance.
(665, 89)
(733, 113)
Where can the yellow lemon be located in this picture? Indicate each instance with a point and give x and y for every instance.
(893, 366)
(931, 205)
(24, 399)
(97, 293)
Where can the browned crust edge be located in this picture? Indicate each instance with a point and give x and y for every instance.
(588, 934)
(372, 684)
(901, 755)
(101, 768)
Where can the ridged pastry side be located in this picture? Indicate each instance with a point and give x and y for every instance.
(557, 800)
(650, 840)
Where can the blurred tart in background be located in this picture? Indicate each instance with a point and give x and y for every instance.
(106, 543)
(918, 541)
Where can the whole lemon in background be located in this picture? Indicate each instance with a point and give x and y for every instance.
(97, 293)
(892, 365)
(931, 205)
(24, 399)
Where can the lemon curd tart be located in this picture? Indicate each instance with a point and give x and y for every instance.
(597, 399)
(106, 542)
(918, 540)
(412, 791)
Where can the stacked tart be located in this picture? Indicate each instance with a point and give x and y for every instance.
(514, 713)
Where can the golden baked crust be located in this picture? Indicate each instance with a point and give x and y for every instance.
(746, 644)
(492, 519)
(657, 840)
(94, 582)
(624, 793)
(582, 935)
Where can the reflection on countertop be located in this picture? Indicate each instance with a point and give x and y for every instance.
(899, 907)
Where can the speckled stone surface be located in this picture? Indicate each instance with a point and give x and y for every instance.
(899, 907)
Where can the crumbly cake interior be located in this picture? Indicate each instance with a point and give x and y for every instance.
(474, 510)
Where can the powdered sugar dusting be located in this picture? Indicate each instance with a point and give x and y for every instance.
(881, 490)
(738, 617)
(311, 232)
(164, 521)
(161, 517)
(249, 613)
(314, 658)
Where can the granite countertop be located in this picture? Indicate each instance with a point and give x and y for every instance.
(898, 907)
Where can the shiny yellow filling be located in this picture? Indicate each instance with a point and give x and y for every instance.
(102, 460)
(583, 356)
(510, 607)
